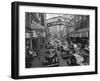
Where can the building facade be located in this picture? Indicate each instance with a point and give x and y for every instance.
(81, 26)
(56, 26)
(81, 32)
(60, 26)
(72, 27)
(35, 30)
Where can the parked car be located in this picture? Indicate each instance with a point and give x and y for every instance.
(51, 58)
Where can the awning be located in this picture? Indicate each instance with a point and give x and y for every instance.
(37, 27)
(81, 33)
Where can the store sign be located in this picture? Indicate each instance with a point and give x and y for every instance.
(56, 23)
(27, 35)
(34, 34)
(82, 34)
(59, 23)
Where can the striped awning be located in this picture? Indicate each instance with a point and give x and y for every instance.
(37, 27)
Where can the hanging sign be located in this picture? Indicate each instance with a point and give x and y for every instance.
(34, 34)
(27, 35)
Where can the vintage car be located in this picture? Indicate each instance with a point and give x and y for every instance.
(65, 47)
(62, 46)
(51, 58)
(65, 54)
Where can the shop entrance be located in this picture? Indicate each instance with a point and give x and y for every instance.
(35, 44)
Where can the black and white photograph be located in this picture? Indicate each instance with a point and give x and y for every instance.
(51, 40)
(58, 39)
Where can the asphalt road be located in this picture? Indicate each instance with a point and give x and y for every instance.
(62, 62)
(37, 61)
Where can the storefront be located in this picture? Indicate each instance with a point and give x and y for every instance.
(81, 36)
(36, 37)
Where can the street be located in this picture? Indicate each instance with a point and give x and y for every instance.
(38, 60)
(56, 40)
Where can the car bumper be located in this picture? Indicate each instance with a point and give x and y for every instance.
(51, 65)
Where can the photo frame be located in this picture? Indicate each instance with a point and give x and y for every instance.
(52, 40)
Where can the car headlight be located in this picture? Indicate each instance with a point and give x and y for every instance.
(56, 59)
(45, 61)
(53, 60)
